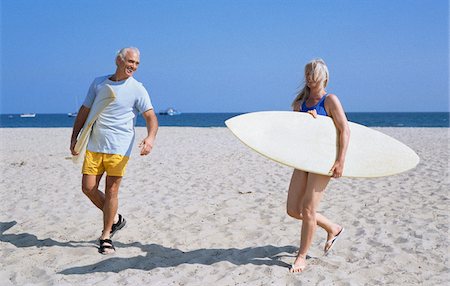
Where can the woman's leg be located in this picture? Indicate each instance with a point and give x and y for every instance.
(313, 193)
(296, 193)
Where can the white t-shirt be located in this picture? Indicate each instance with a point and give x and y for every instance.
(113, 132)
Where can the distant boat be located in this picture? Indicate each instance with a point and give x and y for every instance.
(28, 115)
(74, 114)
(170, 111)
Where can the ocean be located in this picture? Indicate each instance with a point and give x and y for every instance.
(371, 119)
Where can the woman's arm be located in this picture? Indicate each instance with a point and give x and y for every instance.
(336, 111)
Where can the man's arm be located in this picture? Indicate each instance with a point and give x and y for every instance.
(79, 122)
(151, 121)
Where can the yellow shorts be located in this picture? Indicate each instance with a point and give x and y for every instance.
(97, 163)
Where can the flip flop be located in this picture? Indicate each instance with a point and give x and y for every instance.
(118, 226)
(297, 269)
(104, 245)
(332, 241)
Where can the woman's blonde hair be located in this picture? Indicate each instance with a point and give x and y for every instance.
(315, 71)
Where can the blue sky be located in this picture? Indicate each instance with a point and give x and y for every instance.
(227, 56)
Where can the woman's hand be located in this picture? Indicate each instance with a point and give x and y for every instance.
(337, 169)
(313, 113)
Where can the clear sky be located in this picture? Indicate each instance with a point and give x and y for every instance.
(227, 55)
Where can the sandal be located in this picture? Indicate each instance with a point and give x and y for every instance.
(332, 242)
(117, 226)
(105, 245)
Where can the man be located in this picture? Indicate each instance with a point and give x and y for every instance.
(111, 139)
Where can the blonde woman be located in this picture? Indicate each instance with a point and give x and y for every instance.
(307, 189)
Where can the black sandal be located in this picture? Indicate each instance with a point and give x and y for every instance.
(117, 226)
(106, 244)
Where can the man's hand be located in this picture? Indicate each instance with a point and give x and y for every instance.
(146, 146)
(73, 142)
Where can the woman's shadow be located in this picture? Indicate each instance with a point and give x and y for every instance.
(157, 256)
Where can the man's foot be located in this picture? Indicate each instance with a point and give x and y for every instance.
(299, 264)
(332, 238)
(106, 247)
(118, 225)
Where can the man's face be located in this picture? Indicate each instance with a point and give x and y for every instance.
(129, 65)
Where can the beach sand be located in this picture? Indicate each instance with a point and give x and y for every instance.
(203, 209)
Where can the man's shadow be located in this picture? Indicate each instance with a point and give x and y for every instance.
(157, 256)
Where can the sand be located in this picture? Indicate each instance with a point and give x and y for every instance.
(203, 209)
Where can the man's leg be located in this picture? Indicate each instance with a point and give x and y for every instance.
(90, 189)
(110, 205)
(92, 173)
(115, 169)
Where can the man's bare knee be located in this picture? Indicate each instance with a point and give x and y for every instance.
(88, 190)
(89, 184)
(112, 193)
(112, 186)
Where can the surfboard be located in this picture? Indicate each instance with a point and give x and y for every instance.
(103, 98)
(299, 140)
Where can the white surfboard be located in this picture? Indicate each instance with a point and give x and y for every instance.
(298, 140)
(103, 98)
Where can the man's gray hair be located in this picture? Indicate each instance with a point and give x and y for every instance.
(123, 52)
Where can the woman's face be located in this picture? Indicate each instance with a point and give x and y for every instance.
(311, 83)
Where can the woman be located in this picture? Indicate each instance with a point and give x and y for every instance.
(307, 189)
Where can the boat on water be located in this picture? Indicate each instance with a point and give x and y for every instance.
(28, 115)
(170, 111)
(74, 114)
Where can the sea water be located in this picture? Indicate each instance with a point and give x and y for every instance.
(371, 119)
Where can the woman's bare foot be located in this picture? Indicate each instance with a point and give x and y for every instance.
(299, 264)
